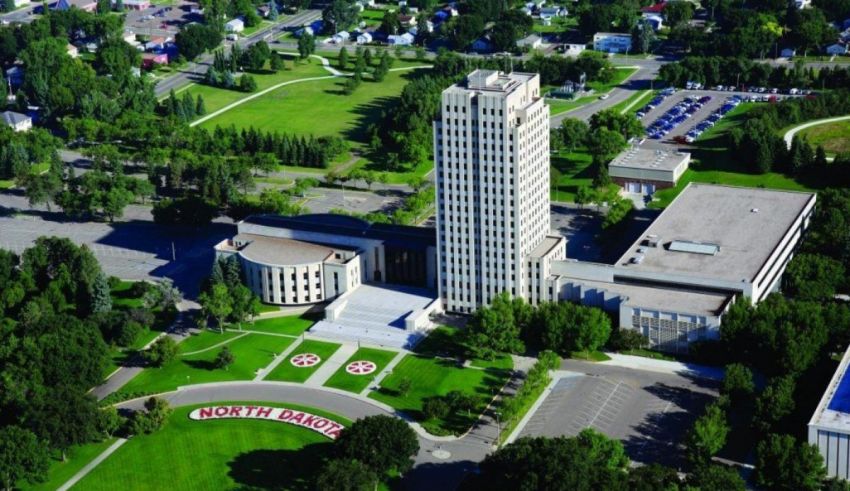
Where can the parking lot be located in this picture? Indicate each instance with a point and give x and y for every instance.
(649, 412)
(159, 20)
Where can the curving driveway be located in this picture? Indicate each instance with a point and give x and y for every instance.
(459, 455)
(789, 135)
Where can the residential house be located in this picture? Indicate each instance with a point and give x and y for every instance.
(72, 50)
(546, 21)
(429, 27)
(86, 5)
(17, 121)
(532, 41)
(405, 39)
(304, 30)
(150, 60)
(407, 20)
(526, 11)
(135, 4)
(612, 42)
(788, 53)
(836, 49)
(482, 45)
(553, 11)
(156, 43)
(441, 15)
(656, 21)
(802, 4)
(570, 49)
(656, 8)
(235, 25)
(15, 75)
(341, 37)
(359, 6)
(364, 38)
(129, 37)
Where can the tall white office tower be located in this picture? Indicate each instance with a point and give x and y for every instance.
(491, 146)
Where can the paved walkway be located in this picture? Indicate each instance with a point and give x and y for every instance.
(263, 373)
(384, 373)
(663, 366)
(331, 365)
(789, 135)
(91, 465)
(217, 345)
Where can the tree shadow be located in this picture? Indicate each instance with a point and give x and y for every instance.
(279, 469)
(201, 364)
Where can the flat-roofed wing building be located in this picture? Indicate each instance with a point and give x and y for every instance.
(642, 170)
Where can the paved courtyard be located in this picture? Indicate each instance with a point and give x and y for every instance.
(649, 412)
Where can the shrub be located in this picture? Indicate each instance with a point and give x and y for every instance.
(435, 407)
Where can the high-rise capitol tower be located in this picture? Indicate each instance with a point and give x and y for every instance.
(491, 147)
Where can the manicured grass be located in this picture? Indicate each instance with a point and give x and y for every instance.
(834, 137)
(288, 372)
(712, 162)
(76, 458)
(205, 339)
(216, 98)
(639, 98)
(217, 454)
(559, 24)
(446, 341)
(558, 106)
(7, 183)
(356, 383)
(656, 355)
(590, 355)
(123, 297)
(431, 377)
(292, 325)
(318, 108)
(620, 75)
(251, 353)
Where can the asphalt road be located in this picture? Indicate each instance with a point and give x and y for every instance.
(649, 412)
(194, 70)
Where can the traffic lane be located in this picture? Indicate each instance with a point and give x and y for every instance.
(640, 80)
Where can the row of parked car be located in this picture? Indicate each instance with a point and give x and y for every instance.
(675, 116)
(754, 90)
(655, 102)
(711, 120)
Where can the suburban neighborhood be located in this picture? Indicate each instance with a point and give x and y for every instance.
(360, 245)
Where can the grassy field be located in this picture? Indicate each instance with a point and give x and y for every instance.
(76, 458)
(712, 163)
(292, 325)
(437, 377)
(288, 372)
(250, 353)
(206, 339)
(576, 171)
(216, 98)
(639, 98)
(356, 383)
(318, 108)
(834, 137)
(216, 454)
(559, 24)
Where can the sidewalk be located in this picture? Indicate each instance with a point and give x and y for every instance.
(376, 382)
(663, 366)
(331, 365)
(261, 374)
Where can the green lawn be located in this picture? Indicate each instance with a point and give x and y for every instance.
(640, 98)
(656, 355)
(712, 163)
(288, 372)
(436, 377)
(356, 383)
(122, 296)
(834, 137)
(267, 307)
(589, 355)
(76, 458)
(447, 341)
(251, 353)
(558, 106)
(318, 108)
(292, 325)
(620, 75)
(205, 339)
(216, 98)
(7, 183)
(216, 454)
(559, 24)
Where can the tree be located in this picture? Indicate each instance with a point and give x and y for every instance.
(162, 351)
(642, 36)
(342, 60)
(708, 435)
(382, 443)
(783, 463)
(273, 11)
(101, 295)
(678, 13)
(64, 418)
(224, 358)
(653, 477)
(195, 39)
(813, 277)
(22, 457)
(346, 475)
(306, 45)
(200, 107)
(404, 386)
(340, 14)
(153, 418)
(462, 30)
(604, 144)
(390, 24)
(276, 63)
(573, 132)
(738, 382)
(247, 83)
(587, 461)
(494, 328)
(217, 303)
(715, 477)
(774, 403)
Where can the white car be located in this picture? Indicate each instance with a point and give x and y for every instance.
(603, 96)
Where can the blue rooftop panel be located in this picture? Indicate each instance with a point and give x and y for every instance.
(841, 399)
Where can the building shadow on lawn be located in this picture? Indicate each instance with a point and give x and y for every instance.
(431, 476)
(279, 469)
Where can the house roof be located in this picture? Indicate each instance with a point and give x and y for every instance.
(13, 119)
(656, 8)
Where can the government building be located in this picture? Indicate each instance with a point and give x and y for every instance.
(711, 246)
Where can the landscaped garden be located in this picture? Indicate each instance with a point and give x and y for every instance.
(303, 361)
(357, 378)
(217, 454)
(251, 352)
(416, 379)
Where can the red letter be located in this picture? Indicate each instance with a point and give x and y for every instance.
(320, 423)
(334, 431)
(205, 412)
(299, 416)
(235, 411)
(263, 412)
(250, 411)
(221, 411)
